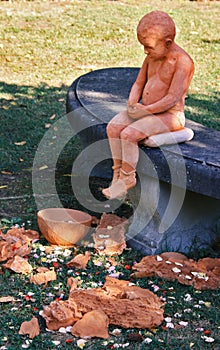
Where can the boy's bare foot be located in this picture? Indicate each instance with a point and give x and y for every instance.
(120, 187)
(116, 172)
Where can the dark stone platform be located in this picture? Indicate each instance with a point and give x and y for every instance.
(177, 207)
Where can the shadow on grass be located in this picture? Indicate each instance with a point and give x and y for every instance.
(26, 114)
(204, 109)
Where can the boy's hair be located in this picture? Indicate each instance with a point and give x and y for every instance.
(157, 21)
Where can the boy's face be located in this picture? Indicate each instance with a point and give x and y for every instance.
(155, 47)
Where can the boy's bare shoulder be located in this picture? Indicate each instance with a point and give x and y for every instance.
(181, 56)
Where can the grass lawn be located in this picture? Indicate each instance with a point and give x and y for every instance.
(44, 47)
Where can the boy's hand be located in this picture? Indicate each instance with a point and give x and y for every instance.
(137, 111)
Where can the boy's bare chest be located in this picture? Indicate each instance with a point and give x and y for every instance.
(161, 71)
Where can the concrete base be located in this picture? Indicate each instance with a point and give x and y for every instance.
(153, 231)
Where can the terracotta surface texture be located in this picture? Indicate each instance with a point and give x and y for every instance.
(61, 314)
(79, 261)
(72, 283)
(43, 276)
(93, 324)
(30, 327)
(202, 274)
(18, 265)
(109, 236)
(126, 306)
(16, 242)
(116, 303)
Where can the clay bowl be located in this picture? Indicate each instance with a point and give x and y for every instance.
(63, 227)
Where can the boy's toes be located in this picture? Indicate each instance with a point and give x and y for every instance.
(117, 190)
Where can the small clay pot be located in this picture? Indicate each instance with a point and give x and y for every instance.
(63, 227)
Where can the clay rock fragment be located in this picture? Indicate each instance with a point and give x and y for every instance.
(209, 264)
(126, 306)
(30, 327)
(72, 283)
(204, 274)
(16, 242)
(175, 256)
(31, 235)
(43, 277)
(109, 236)
(93, 324)
(6, 250)
(79, 261)
(15, 233)
(62, 313)
(210, 269)
(115, 288)
(19, 265)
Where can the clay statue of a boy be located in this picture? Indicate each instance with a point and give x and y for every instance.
(161, 86)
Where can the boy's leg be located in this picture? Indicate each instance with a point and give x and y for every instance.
(159, 123)
(141, 129)
(114, 128)
(130, 136)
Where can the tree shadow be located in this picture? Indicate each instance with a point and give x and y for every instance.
(27, 113)
(204, 109)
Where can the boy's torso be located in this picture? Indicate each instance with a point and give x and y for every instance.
(159, 78)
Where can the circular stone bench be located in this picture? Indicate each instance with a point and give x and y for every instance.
(176, 202)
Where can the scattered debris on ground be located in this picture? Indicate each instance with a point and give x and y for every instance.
(118, 302)
(124, 305)
(201, 274)
(109, 236)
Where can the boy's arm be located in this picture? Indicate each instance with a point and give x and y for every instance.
(178, 88)
(138, 86)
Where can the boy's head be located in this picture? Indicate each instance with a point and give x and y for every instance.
(156, 32)
(157, 23)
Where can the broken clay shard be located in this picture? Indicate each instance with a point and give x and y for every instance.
(79, 261)
(109, 237)
(126, 306)
(93, 324)
(19, 265)
(30, 327)
(32, 235)
(16, 242)
(203, 274)
(43, 277)
(6, 250)
(175, 256)
(72, 283)
(62, 313)
(16, 233)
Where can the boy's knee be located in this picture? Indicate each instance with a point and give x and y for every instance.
(112, 130)
(129, 134)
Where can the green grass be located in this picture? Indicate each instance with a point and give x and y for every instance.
(199, 309)
(44, 47)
